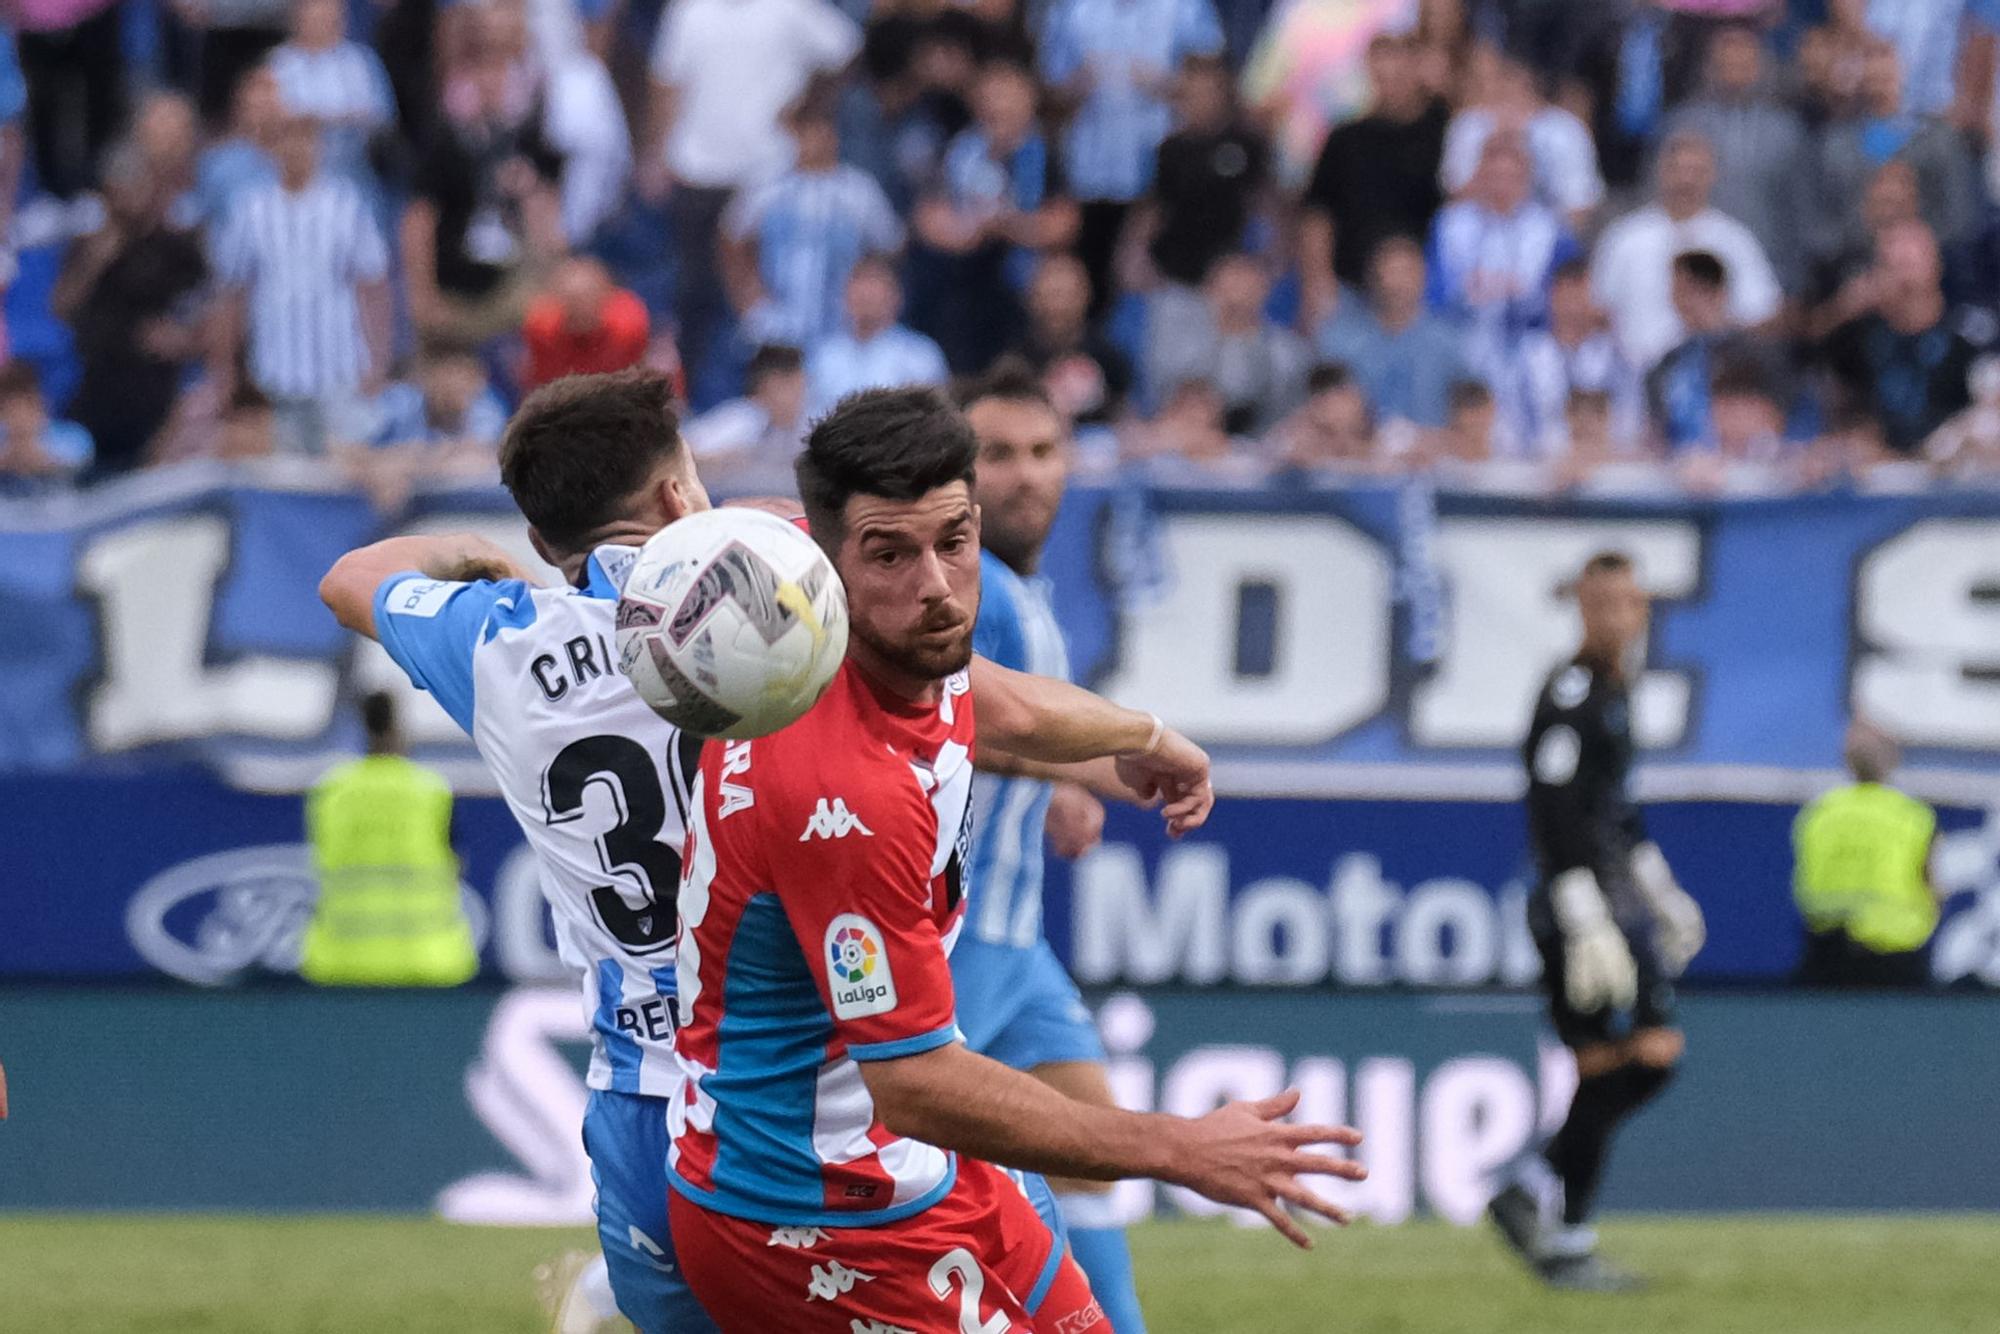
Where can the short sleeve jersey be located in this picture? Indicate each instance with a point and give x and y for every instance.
(822, 893)
(596, 779)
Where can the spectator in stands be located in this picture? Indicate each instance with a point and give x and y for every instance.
(167, 136)
(1761, 150)
(755, 438)
(1188, 442)
(585, 124)
(1208, 180)
(449, 407)
(582, 323)
(38, 455)
(1574, 353)
(339, 83)
(1826, 69)
(1306, 71)
(1405, 356)
(1588, 438)
(13, 154)
(1678, 387)
(72, 56)
(1862, 875)
(1508, 98)
(1471, 435)
(1632, 268)
(1746, 416)
(1084, 375)
(921, 71)
(1690, 27)
(873, 351)
(1493, 252)
(1115, 61)
(306, 302)
(243, 157)
(1377, 178)
(790, 243)
(723, 71)
(1003, 197)
(1332, 432)
(1851, 150)
(231, 36)
(1905, 361)
(130, 294)
(1926, 36)
(1842, 279)
(1258, 366)
(484, 222)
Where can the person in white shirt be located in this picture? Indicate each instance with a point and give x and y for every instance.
(749, 443)
(1631, 275)
(874, 351)
(1564, 157)
(723, 71)
(338, 82)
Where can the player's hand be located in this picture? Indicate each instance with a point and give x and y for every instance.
(1243, 1154)
(1678, 928)
(1598, 969)
(1174, 770)
(1076, 821)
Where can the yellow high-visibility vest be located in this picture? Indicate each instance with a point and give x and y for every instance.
(388, 913)
(1860, 852)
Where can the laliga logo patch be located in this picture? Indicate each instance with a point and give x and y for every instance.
(858, 968)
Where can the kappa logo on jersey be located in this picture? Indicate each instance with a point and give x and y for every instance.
(419, 597)
(834, 1280)
(858, 968)
(797, 1238)
(834, 820)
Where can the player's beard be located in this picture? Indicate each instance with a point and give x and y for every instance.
(922, 654)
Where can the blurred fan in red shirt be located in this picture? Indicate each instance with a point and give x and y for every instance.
(582, 323)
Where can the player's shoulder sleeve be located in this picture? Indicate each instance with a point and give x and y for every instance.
(997, 634)
(432, 628)
(851, 856)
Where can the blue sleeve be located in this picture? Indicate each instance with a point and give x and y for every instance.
(432, 627)
(997, 635)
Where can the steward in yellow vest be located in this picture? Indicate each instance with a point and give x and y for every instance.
(1861, 877)
(388, 913)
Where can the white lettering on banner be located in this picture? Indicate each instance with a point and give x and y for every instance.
(1928, 603)
(1363, 930)
(1384, 1092)
(155, 584)
(1477, 1113)
(1510, 623)
(532, 1100)
(1330, 645)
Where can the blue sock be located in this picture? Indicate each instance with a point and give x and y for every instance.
(1098, 1243)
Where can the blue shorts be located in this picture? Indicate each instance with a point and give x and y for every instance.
(625, 1135)
(1019, 1006)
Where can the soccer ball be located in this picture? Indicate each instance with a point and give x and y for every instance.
(732, 623)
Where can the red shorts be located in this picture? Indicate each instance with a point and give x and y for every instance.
(979, 1261)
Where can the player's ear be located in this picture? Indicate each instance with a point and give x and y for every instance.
(542, 548)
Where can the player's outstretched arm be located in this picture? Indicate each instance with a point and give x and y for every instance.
(1045, 721)
(1241, 1154)
(349, 588)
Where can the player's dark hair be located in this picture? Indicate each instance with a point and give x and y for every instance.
(19, 379)
(1463, 394)
(1702, 266)
(580, 446)
(378, 717)
(1592, 400)
(1328, 376)
(896, 444)
(1010, 379)
(1575, 268)
(772, 359)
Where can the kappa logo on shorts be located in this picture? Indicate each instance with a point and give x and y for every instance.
(834, 1280)
(1076, 1322)
(834, 820)
(858, 1326)
(857, 968)
(798, 1238)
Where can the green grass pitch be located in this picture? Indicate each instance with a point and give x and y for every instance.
(163, 1274)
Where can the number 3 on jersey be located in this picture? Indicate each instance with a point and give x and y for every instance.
(631, 849)
(959, 1264)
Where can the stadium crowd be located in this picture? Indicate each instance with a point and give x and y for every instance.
(1616, 246)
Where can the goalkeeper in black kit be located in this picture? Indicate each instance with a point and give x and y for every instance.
(1613, 928)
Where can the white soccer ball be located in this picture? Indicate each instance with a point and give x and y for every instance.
(732, 623)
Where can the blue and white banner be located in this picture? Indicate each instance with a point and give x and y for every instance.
(1375, 641)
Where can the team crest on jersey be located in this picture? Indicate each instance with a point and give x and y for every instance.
(858, 968)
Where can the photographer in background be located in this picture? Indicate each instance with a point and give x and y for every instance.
(1862, 874)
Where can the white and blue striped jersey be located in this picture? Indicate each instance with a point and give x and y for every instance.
(811, 228)
(1016, 628)
(597, 780)
(299, 256)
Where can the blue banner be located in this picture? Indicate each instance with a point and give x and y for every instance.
(1374, 641)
